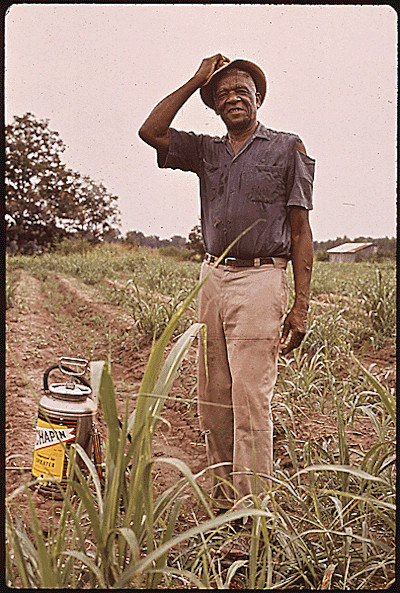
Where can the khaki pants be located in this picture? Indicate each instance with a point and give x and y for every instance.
(243, 310)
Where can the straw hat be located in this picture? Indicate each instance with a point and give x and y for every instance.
(206, 91)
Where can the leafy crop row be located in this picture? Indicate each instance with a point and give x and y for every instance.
(328, 521)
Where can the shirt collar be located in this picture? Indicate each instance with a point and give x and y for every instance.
(260, 132)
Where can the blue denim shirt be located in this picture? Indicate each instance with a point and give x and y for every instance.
(261, 181)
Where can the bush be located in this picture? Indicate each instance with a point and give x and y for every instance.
(68, 246)
(172, 251)
(383, 254)
(321, 255)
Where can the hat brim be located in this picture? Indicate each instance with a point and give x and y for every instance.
(207, 90)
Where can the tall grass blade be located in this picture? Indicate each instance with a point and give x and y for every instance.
(343, 468)
(90, 564)
(93, 472)
(24, 557)
(49, 578)
(167, 535)
(388, 400)
(172, 363)
(109, 407)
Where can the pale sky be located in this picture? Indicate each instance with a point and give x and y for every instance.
(96, 71)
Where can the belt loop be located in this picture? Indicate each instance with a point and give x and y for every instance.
(280, 262)
(257, 262)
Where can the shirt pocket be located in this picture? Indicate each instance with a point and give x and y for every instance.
(211, 180)
(265, 183)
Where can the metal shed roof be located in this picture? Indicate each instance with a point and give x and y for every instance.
(349, 247)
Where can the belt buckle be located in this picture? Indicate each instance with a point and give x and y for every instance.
(229, 259)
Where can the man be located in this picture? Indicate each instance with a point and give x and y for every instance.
(252, 176)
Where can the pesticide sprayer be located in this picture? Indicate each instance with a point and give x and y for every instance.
(65, 417)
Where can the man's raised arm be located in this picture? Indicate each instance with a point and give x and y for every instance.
(154, 130)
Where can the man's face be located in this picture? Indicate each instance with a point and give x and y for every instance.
(236, 100)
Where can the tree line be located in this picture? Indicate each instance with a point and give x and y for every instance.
(137, 238)
(386, 245)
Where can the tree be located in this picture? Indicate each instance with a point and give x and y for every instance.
(134, 238)
(95, 209)
(177, 241)
(195, 241)
(45, 200)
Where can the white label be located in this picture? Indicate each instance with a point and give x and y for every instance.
(46, 437)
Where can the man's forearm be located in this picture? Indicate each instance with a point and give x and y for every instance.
(158, 122)
(302, 261)
(155, 128)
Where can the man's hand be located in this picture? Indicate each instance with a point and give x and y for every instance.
(208, 66)
(295, 323)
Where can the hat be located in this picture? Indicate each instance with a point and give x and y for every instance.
(206, 91)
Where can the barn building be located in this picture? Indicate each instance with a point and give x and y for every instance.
(349, 251)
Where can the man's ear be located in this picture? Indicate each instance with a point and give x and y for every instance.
(258, 99)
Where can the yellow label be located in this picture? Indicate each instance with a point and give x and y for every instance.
(49, 454)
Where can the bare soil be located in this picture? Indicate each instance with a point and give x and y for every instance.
(65, 318)
(71, 321)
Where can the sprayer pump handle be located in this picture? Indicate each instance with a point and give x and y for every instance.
(56, 366)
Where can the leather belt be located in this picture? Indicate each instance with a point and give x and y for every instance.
(239, 263)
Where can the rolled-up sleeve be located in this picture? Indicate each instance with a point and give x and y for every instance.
(300, 179)
(183, 152)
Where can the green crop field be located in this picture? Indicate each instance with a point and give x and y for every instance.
(329, 520)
